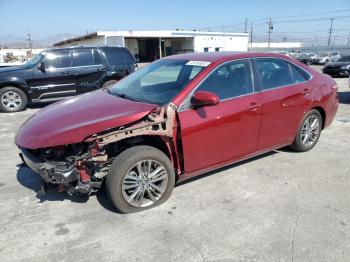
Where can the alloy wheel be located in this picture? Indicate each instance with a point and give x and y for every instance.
(11, 100)
(310, 130)
(144, 183)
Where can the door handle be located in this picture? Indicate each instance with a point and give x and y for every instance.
(101, 69)
(253, 107)
(306, 91)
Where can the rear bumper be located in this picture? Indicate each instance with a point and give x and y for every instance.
(49, 172)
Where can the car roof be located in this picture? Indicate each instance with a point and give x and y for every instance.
(223, 56)
(82, 47)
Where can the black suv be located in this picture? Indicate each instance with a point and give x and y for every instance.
(59, 73)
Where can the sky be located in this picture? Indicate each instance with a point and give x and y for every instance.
(46, 18)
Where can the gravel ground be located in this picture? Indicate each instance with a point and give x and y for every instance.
(281, 206)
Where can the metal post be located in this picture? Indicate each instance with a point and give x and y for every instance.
(251, 35)
(270, 28)
(246, 25)
(160, 47)
(330, 32)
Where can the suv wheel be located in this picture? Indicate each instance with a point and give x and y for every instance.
(309, 132)
(12, 99)
(141, 177)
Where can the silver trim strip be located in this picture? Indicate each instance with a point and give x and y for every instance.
(52, 85)
(60, 92)
(70, 67)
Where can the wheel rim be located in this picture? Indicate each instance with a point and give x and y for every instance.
(310, 130)
(11, 100)
(144, 183)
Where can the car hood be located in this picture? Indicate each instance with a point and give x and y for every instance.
(73, 120)
(12, 69)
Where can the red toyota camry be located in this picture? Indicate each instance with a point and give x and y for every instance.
(176, 118)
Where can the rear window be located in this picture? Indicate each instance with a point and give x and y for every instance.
(118, 56)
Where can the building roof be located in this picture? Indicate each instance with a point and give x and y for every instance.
(151, 34)
(223, 56)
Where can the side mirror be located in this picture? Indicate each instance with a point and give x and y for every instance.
(41, 66)
(204, 98)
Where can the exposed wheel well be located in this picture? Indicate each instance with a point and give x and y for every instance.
(323, 114)
(114, 149)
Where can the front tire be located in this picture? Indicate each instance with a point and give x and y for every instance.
(12, 99)
(140, 178)
(309, 132)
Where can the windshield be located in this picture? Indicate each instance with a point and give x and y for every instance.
(344, 59)
(158, 82)
(323, 55)
(34, 60)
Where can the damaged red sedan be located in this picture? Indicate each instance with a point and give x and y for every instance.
(176, 118)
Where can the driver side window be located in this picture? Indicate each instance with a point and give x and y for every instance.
(230, 80)
(57, 59)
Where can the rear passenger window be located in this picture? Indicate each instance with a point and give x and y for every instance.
(97, 57)
(230, 80)
(273, 73)
(83, 57)
(117, 56)
(298, 74)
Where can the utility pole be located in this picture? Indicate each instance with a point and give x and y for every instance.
(246, 25)
(29, 42)
(251, 35)
(330, 32)
(270, 29)
(348, 42)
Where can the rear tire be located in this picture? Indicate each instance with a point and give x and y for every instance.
(12, 99)
(309, 132)
(109, 83)
(130, 184)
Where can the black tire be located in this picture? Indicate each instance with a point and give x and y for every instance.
(16, 91)
(298, 144)
(109, 82)
(120, 167)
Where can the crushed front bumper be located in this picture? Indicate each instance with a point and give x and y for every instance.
(50, 172)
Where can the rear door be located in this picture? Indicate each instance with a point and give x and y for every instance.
(88, 69)
(212, 135)
(55, 79)
(285, 99)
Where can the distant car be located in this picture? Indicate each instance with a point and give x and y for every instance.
(339, 68)
(325, 58)
(174, 119)
(59, 73)
(305, 59)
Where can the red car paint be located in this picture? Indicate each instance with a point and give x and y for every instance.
(209, 137)
(72, 120)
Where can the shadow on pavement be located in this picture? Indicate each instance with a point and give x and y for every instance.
(29, 179)
(226, 167)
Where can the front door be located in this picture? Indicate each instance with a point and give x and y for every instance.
(54, 80)
(213, 135)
